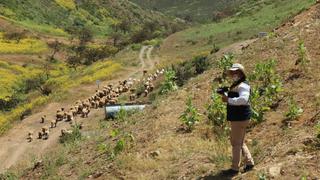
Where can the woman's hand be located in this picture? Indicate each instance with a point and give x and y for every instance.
(224, 98)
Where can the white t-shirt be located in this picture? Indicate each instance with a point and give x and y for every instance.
(244, 92)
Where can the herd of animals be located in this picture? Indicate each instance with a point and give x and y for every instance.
(108, 95)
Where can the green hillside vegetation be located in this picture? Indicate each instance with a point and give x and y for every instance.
(60, 16)
(255, 16)
(190, 10)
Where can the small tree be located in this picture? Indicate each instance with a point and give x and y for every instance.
(302, 55)
(225, 63)
(294, 111)
(56, 47)
(169, 83)
(116, 37)
(125, 26)
(74, 61)
(15, 35)
(84, 36)
(216, 113)
(190, 116)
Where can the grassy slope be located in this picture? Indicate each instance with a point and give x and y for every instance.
(201, 10)
(261, 16)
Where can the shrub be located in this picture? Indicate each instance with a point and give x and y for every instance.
(215, 49)
(201, 64)
(258, 106)
(119, 147)
(8, 176)
(136, 47)
(91, 55)
(153, 42)
(123, 141)
(190, 116)
(264, 72)
(184, 72)
(188, 69)
(216, 113)
(73, 137)
(103, 148)
(122, 114)
(225, 63)
(169, 83)
(302, 55)
(294, 111)
(14, 36)
(266, 91)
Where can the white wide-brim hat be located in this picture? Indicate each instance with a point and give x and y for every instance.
(237, 67)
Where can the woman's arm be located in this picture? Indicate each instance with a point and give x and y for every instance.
(243, 99)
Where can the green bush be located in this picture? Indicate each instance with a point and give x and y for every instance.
(136, 47)
(123, 141)
(225, 63)
(258, 106)
(8, 176)
(216, 113)
(122, 115)
(294, 111)
(119, 147)
(265, 73)
(188, 69)
(302, 55)
(190, 116)
(266, 90)
(169, 83)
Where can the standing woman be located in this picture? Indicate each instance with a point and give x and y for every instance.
(238, 113)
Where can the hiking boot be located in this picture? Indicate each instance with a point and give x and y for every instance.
(230, 172)
(247, 168)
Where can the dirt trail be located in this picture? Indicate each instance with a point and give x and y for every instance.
(14, 146)
(145, 57)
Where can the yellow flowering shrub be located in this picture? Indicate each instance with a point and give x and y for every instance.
(25, 46)
(10, 74)
(68, 4)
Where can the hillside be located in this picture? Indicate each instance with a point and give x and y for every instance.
(40, 54)
(253, 18)
(65, 14)
(182, 133)
(194, 11)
